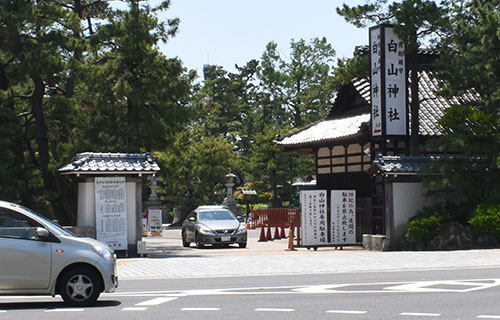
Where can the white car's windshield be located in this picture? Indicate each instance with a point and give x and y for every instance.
(216, 215)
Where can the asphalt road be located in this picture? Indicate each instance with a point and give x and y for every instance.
(263, 281)
(438, 294)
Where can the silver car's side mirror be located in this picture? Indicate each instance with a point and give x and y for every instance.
(192, 219)
(42, 232)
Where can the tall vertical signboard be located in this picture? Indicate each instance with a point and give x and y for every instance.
(111, 211)
(388, 82)
(343, 213)
(395, 84)
(314, 217)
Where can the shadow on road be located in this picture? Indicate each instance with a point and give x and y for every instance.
(53, 305)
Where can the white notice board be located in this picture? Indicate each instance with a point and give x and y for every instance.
(314, 217)
(155, 222)
(111, 211)
(343, 222)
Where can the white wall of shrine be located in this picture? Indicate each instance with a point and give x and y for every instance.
(407, 199)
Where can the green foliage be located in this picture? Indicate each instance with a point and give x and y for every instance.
(272, 170)
(363, 15)
(350, 69)
(426, 224)
(471, 126)
(78, 86)
(459, 180)
(486, 220)
(139, 97)
(194, 170)
(39, 52)
(414, 20)
(301, 86)
(473, 33)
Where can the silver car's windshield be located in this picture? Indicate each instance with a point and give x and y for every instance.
(216, 215)
(53, 227)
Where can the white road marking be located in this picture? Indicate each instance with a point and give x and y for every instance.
(3, 311)
(65, 310)
(419, 314)
(200, 309)
(147, 294)
(486, 316)
(464, 285)
(156, 301)
(347, 312)
(446, 286)
(467, 285)
(134, 309)
(274, 310)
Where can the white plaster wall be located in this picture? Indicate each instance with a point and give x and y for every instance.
(131, 214)
(86, 205)
(408, 199)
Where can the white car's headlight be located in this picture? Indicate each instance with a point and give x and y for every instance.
(242, 228)
(102, 251)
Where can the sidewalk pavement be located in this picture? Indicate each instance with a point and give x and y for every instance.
(167, 258)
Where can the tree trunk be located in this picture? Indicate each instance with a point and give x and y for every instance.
(49, 180)
(41, 125)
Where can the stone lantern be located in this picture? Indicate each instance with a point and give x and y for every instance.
(229, 201)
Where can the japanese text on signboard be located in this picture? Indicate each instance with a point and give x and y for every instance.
(388, 82)
(395, 84)
(376, 81)
(111, 211)
(314, 217)
(343, 223)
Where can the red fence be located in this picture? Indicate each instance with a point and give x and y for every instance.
(275, 217)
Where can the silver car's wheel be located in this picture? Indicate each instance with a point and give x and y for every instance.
(80, 286)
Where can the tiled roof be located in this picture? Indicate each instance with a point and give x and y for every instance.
(105, 163)
(433, 106)
(392, 165)
(326, 130)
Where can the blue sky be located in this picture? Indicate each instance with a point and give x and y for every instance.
(229, 32)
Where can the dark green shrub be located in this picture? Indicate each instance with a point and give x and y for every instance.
(427, 224)
(486, 220)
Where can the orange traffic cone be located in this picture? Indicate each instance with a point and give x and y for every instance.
(282, 234)
(262, 235)
(290, 241)
(269, 235)
(277, 233)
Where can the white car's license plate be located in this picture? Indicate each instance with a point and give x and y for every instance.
(226, 238)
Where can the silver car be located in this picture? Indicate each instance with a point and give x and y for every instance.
(38, 257)
(215, 225)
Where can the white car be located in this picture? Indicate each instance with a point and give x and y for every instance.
(38, 257)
